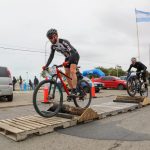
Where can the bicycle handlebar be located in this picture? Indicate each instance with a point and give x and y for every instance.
(58, 66)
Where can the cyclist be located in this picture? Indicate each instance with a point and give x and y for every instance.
(71, 57)
(140, 68)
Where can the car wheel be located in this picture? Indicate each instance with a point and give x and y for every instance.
(97, 90)
(10, 98)
(120, 87)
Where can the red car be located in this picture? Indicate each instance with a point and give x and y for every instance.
(112, 82)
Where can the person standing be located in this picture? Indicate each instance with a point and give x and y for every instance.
(31, 85)
(36, 82)
(14, 81)
(20, 83)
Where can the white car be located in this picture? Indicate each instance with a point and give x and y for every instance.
(98, 86)
(6, 87)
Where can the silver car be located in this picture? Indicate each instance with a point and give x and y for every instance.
(6, 87)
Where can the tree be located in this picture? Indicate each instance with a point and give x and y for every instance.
(112, 71)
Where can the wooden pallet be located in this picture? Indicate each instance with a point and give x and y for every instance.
(111, 108)
(137, 99)
(20, 128)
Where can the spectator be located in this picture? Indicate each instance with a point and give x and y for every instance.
(36, 82)
(14, 82)
(31, 85)
(20, 83)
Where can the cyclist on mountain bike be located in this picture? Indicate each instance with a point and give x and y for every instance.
(140, 68)
(71, 57)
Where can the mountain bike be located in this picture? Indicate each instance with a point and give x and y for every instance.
(135, 84)
(55, 94)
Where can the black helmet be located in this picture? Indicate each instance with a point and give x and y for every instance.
(51, 32)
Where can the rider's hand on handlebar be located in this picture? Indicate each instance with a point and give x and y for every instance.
(65, 63)
(44, 67)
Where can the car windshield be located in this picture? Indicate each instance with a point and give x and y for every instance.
(123, 77)
(117, 78)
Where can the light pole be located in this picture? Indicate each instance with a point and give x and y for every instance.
(27, 76)
(118, 67)
(45, 49)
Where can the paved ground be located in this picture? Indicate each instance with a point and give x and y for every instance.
(122, 132)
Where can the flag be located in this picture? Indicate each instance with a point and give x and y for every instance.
(142, 16)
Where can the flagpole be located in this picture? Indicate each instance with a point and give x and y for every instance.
(137, 30)
(149, 56)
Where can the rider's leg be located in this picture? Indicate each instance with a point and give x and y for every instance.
(67, 71)
(144, 79)
(73, 68)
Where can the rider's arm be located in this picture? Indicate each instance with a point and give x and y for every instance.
(129, 68)
(143, 66)
(50, 57)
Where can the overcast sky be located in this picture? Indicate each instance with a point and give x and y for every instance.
(103, 31)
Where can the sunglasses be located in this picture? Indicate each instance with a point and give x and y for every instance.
(51, 37)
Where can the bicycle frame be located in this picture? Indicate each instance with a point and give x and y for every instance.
(59, 76)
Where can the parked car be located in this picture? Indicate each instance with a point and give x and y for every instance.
(6, 87)
(97, 85)
(112, 82)
(123, 78)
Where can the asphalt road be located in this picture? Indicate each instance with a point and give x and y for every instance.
(122, 132)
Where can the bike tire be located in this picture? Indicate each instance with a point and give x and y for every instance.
(46, 113)
(130, 81)
(145, 93)
(81, 89)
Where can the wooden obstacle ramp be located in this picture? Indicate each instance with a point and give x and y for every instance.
(20, 128)
(111, 108)
(137, 99)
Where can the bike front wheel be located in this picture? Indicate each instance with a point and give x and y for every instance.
(83, 100)
(47, 98)
(131, 87)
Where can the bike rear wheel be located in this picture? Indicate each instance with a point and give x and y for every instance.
(83, 100)
(45, 96)
(143, 91)
(131, 87)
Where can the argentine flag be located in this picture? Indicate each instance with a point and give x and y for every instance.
(142, 16)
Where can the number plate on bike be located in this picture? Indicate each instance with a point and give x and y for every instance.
(52, 70)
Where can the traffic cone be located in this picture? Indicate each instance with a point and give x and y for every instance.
(45, 91)
(93, 88)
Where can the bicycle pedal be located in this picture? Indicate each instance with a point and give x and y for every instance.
(69, 98)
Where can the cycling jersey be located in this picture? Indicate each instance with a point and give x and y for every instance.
(139, 66)
(64, 47)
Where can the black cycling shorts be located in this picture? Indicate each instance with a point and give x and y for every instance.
(73, 59)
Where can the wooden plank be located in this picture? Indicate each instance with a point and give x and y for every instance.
(29, 124)
(53, 121)
(87, 115)
(146, 101)
(17, 125)
(10, 128)
(129, 98)
(50, 120)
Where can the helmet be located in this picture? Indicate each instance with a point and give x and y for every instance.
(51, 32)
(133, 59)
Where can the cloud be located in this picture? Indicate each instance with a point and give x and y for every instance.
(104, 32)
